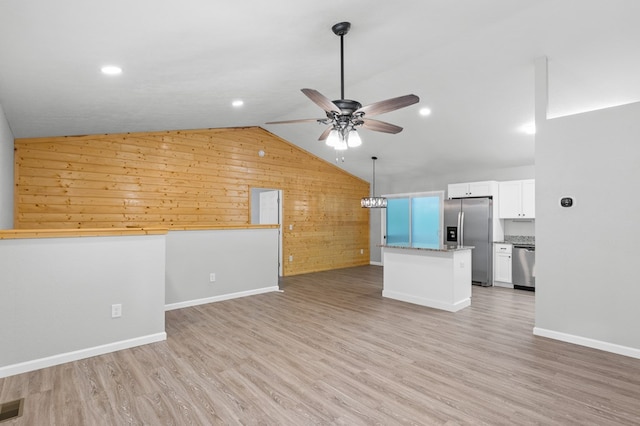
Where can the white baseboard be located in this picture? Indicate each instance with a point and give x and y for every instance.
(437, 304)
(50, 361)
(591, 343)
(375, 263)
(196, 302)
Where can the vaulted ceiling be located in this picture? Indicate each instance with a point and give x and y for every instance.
(469, 61)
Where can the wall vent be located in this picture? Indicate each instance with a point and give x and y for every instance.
(11, 410)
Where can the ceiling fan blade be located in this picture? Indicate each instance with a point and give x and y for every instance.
(303, 120)
(388, 105)
(321, 100)
(325, 134)
(380, 126)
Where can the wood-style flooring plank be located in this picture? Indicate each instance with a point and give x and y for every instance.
(329, 350)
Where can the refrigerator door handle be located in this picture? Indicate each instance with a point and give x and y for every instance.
(460, 228)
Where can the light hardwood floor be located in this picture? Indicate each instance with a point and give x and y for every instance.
(331, 350)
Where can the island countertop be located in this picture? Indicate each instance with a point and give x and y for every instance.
(441, 248)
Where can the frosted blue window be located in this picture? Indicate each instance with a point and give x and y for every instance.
(425, 222)
(415, 220)
(398, 221)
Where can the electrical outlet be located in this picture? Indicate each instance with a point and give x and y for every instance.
(212, 277)
(116, 310)
(290, 258)
(361, 251)
(290, 227)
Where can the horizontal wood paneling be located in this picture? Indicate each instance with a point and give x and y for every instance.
(182, 179)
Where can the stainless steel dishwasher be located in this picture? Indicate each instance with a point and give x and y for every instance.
(523, 267)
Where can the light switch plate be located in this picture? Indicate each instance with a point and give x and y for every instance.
(116, 310)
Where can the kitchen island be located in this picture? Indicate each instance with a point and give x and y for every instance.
(437, 277)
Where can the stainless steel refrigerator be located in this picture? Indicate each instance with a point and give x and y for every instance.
(469, 222)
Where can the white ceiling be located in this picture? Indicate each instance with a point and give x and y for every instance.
(470, 61)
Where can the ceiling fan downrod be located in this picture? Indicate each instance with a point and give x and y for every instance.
(341, 29)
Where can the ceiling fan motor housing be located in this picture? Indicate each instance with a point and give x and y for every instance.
(347, 106)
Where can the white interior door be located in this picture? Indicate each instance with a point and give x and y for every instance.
(269, 208)
(270, 213)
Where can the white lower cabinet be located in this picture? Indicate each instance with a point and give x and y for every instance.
(502, 265)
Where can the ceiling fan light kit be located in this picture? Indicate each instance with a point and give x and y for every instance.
(345, 116)
(340, 143)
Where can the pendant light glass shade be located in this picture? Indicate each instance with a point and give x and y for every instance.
(373, 202)
(353, 139)
(333, 139)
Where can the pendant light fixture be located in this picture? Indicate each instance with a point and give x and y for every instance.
(373, 202)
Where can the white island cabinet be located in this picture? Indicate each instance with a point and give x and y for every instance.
(435, 277)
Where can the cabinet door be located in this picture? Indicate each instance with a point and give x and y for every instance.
(510, 200)
(503, 268)
(529, 199)
(480, 189)
(458, 190)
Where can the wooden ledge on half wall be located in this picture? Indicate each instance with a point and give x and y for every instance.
(219, 227)
(14, 234)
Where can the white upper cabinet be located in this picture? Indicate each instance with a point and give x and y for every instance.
(518, 199)
(472, 189)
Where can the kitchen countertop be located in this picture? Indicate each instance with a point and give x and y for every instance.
(518, 239)
(441, 248)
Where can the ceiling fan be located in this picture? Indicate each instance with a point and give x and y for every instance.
(345, 116)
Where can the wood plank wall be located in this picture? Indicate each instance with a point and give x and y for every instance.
(184, 178)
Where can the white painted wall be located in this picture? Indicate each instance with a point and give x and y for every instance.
(520, 227)
(56, 297)
(428, 182)
(245, 262)
(587, 287)
(6, 173)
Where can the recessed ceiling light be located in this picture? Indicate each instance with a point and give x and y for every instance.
(111, 70)
(237, 103)
(529, 128)
(425, 111)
